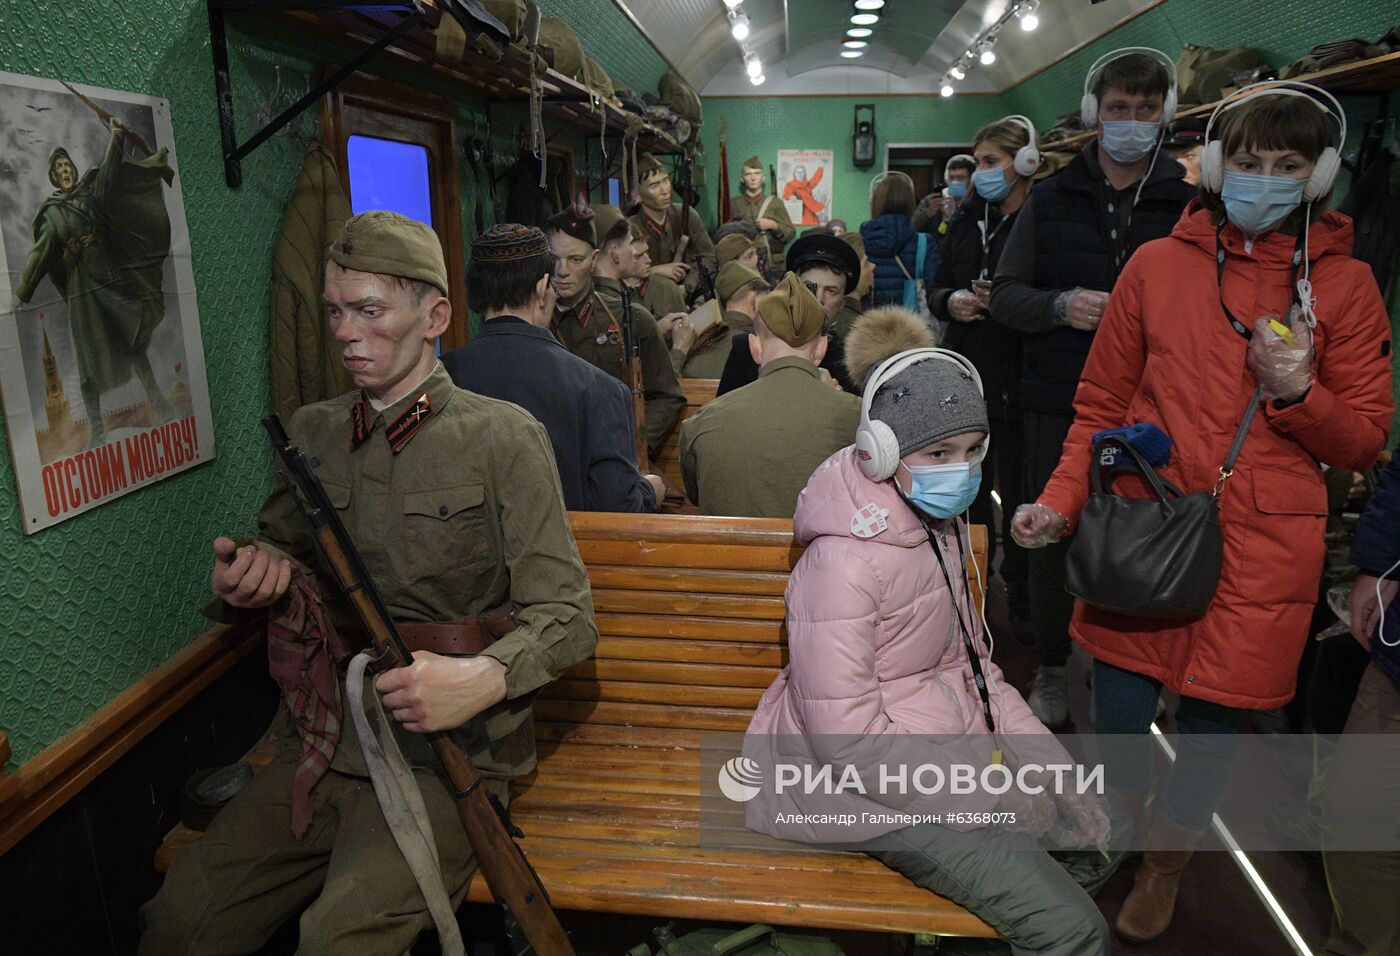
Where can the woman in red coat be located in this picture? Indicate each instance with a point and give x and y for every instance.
(1184, 348)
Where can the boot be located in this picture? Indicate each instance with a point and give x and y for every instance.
(1049, 696)
(1147, 912)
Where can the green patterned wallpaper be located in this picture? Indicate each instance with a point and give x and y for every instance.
(92, 605)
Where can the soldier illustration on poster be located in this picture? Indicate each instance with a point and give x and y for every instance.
(100, 353)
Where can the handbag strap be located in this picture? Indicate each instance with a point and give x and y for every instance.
(1228, 469)
(1164, 489)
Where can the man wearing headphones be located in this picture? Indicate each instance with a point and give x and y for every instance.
(936, 210)
(1061, 260)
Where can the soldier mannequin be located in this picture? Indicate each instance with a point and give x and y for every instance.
(766, 212)
(499, 535)
(657, 294)
(586, 322)
(660, 222)
(738, 289)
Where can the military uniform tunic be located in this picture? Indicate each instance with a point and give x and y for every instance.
(750, 452)
(460, 513)
(709, 360)
(662, 240)
(660, 296)
(767, 206)
(590, 330)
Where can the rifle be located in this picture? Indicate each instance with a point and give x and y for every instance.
(513, 881)
(632, 365)
(683, 184)
(107, 118)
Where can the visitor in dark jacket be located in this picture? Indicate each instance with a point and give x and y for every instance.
(1069, 243)
(959, 296)
(892, 241)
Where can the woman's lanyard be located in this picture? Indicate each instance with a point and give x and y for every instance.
(1239, 326)
(988, 236)
(977, 676)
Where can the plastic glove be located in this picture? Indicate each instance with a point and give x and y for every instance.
(1283, 367)
(1036, 525)
(1082, 821)
(1034, 813)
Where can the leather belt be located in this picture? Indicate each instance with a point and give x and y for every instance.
(464, 637)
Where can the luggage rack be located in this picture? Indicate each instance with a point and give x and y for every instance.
(406, 30)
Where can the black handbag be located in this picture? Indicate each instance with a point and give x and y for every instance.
(1150, 557)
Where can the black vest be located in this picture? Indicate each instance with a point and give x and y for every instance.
(1074, 248)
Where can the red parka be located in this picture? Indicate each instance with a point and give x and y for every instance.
(1166, 353)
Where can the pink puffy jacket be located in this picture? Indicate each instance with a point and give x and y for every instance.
(874, 646)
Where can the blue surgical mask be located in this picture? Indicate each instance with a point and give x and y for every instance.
(991, 184)
(1127, 141)
(957, 188)
(1255, 203)
(944, 491)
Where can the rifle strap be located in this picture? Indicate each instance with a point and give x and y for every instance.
(623, 333)
(402, 804)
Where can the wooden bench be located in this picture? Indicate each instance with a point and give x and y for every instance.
(690, 616)
(667, 461)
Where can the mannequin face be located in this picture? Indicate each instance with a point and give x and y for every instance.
(968, 447)
(749, 257)
(642, 251)
(753, 179)
(655, 192)
(626, 264)
(573, 273)
(831, 288)
(1190, 160)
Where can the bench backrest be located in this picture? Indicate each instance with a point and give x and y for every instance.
(690, 618)
(667, 461)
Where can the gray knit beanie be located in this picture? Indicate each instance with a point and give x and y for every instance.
(928, 402)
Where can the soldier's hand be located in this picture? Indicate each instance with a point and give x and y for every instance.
(675, 271)
(826, 378)
(440, 693)
(668, 321)
(658, 486)
(248, 577)
(766, 224)
(683, 334)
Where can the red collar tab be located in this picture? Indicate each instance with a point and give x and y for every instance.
(406, 425)
(361, 423)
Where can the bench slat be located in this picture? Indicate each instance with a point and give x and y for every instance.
(549, 734)
(637, 692)
(744, 607)
(693, 580)
(660, 554)
(675, 529)
(699, 628)
(602, 669)
(695, 652)
(644, 715)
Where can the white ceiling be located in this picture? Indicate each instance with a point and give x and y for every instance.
(801, 56)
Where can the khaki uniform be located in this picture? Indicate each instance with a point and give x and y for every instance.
(663, 239)
(466, 515)
(750, 452)
(767, 206)
(709, 360)
(841, 325)
(591, 332)
(660, 296)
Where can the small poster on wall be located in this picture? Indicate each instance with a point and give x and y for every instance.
(101, 361)
(804, 182)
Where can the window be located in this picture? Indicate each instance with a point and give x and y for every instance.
(397, 149)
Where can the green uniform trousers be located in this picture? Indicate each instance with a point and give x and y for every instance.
(229, 891)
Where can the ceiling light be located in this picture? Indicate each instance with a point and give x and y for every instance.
(869, 4)
(855, 44)
(752, 65)
(865, 19)
(1029, 20)
(731, 4)
(947, 89)
(852, 54)
(757, 80)
(985, 54)
(859, 32)
(739, 25)
(957, 73)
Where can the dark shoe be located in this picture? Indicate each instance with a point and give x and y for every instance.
(1147, 912)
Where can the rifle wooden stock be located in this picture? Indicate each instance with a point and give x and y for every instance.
(681, 246)
(514, 884)
(634, 382)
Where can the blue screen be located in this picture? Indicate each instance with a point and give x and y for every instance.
(385, 174)
(614, 192)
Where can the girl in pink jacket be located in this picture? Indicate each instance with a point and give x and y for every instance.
(888, 651)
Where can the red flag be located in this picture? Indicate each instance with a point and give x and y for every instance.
(726, 211)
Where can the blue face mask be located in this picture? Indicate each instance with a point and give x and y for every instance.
(957, 188)
(991, 184)
(944, 491)
(1255, 203)
(1127, 141)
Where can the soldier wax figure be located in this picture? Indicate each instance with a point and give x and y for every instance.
(831, 270)
(656, 293)
(588, 316)
(516, 358)
(766, 211)
(660, 222)
(454, 504)
(749, 453)
(737, 247)
(705, 354)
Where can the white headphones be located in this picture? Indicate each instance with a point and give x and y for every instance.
(1089, 104)
(1324, 173)
(1027, 158)
(877, 448)
(890, 174)
(953, 159)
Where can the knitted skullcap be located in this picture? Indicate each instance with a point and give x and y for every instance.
(509, 240)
